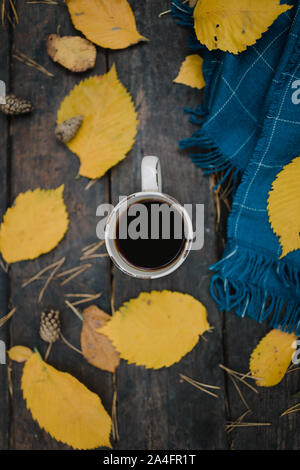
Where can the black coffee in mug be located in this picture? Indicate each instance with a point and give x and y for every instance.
(150, 234)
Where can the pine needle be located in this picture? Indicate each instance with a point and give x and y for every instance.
(10, 20)
(102, 255)
(239, 376)
(200, 386)
(10, 382)
(90, 184)
(88, 247)
(247, 376)
(229, 428)
(42, 271)
(46, 2)
(74, 309)
(185, 377)
(87, 299)
(7, 317)
(48, 352)
(239, 392)
(112, 296)
(69, 344)
(52, 275)
(246, 425)
(114, 413)
(12, 6)
(79, 295)
(70, 270)
(166, 12)
(292, 409)
(292, 369)
(31, 63)
(84, 298)
(216, 191)
(81, 269)
(89, 253)
(3, 12)
(3, 266)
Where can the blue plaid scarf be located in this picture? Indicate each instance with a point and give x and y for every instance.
(248, 124)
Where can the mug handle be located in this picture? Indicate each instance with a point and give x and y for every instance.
(151, 174)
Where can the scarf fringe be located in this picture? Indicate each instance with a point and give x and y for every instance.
(210, 158)
(238, 284)
(183, 13)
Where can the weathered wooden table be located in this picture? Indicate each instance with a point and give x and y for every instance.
(155, 409)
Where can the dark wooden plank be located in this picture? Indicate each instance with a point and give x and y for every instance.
(39, 160)
(4, 331)
(241, 337)
(155, 410)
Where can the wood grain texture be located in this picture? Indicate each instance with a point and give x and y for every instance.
(156, 410)
(4, 161)
(242, 336)
(39, 160)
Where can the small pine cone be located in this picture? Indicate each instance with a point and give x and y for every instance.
(15, 105)
(67, 130)
(50, 326)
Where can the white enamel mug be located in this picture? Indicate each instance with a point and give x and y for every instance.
(151, 189)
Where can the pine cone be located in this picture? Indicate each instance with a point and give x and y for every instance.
(50, 326)
(15, 105)
(67, 130)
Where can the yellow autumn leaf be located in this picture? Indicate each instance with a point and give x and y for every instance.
(64, 407)
(283, 207)
(34, 225)
(72, 52)
(190, 72)
(233, 25)
(108, 23)
(109, 125)
(19, 353)
(157, 329)
(271, 357)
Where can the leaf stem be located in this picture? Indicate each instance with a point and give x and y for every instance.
(38, 353)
